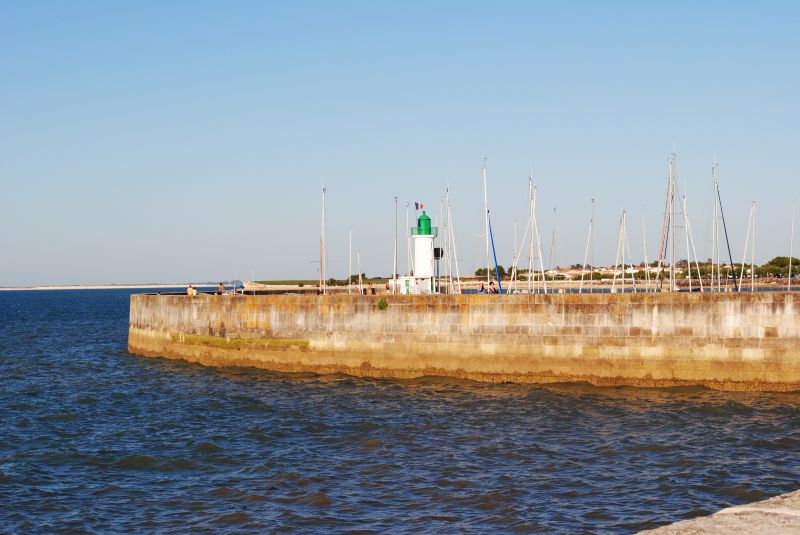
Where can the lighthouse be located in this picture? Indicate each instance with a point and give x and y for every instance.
(423, 235)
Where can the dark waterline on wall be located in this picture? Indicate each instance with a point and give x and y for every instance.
(93, 438)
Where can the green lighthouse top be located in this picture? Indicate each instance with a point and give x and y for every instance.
(424, 224)
(424, 227)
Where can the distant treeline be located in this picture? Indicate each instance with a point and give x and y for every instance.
(777, 267)
(329, 282)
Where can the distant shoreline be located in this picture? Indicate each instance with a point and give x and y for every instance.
(104, 287)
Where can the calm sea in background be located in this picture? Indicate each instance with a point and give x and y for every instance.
(93, 438)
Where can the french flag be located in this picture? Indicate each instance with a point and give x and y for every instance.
(418, 206)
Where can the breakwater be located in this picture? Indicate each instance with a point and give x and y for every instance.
(741, 341)
(780, 514)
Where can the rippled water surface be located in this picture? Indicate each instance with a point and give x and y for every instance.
(93, 438)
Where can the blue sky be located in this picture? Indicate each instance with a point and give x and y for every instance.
(185, 141)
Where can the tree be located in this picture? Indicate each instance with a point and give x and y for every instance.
(779, 266)
(481, 272)
(781, 262)
(354, 278)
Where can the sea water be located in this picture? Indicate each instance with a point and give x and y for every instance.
(95, 439)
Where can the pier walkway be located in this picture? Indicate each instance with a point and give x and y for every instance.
(775, 516)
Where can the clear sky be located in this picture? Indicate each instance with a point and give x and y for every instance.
(185, 141)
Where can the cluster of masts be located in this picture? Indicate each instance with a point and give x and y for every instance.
(665, 278)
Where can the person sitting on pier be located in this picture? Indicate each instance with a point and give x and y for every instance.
(482, 289)
(221, 289)
(492, 289)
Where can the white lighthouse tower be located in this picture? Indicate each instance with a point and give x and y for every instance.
(423, 279)
(424, 275)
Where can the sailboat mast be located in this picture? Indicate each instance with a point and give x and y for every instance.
(453, 241)
(350, 261)
(624, 243)
(586, 253)
(538, 242)
(552, 263)
(616, 258)
(408, 243)
(394, 260)
(753, 252)
(360, 281)
(486, 223)
(791, 252)
(644, 249)
(662, 248)
(725, 230)
(630, 258)
(672, 280)
(686, 234)
(591, 251)
(715, 232)
(691, 243)
(322, 255)
(531, 280)
(746, 242)
(447, 243)
(514, 259)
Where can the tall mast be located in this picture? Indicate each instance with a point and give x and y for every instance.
(616, 258)
(322, 251)
(350, 261)
(586, 253)
(715, 231)
(447, 243)
(513, 270)
(514, 258)
(624, 244)
(453, 241)
(791, 252)
(394, 261)
(486, 223)
(725, 230)
(409, 263)
(552, 263)
(746, 242)
(672, 281)
(686, 234)
(665, 237)
(644, 249)
(538, 240)
(753, 252)
(442, 222)
(691, 244)
(360, 281)
(517, 256)
(531, 283)
(591, 250)
(630, 259)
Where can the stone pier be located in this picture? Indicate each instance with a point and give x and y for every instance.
(732, 341)
(777, 516)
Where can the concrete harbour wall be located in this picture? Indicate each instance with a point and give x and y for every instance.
(747, 341)
(776, 516)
